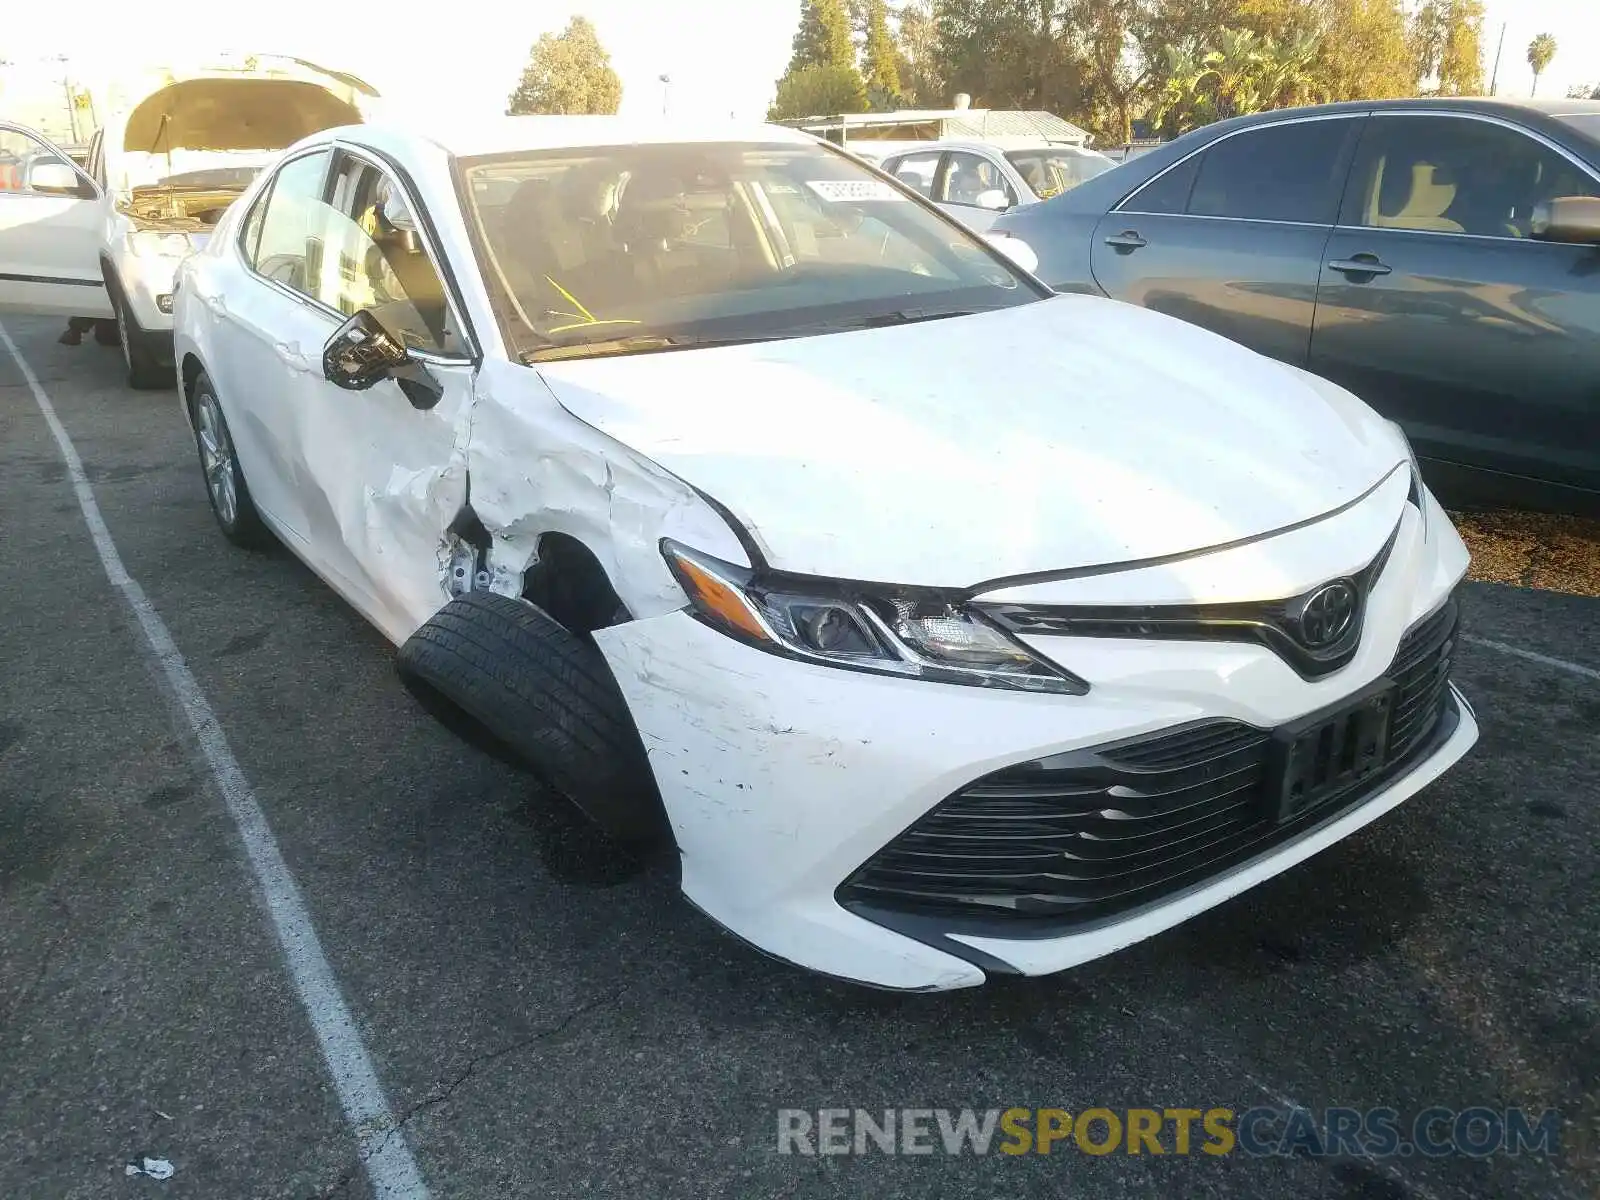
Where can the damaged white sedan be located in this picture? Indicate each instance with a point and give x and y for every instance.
(945, 627)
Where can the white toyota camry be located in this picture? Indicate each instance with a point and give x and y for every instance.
(945, 627)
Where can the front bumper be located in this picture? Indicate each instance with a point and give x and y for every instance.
(782, 779)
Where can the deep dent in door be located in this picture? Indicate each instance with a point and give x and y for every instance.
(521, 467)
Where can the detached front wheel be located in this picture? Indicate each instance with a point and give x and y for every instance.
(545, 697)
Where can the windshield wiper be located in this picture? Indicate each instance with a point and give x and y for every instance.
(643, 343)
(649, 343)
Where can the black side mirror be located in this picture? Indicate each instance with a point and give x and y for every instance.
(1568, 219)
(363, 351)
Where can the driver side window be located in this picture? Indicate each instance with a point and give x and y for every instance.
(374, 258)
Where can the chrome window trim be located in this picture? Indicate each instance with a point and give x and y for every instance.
(1340, 116)
(327, 310)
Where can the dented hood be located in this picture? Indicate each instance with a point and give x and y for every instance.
(1062, 434)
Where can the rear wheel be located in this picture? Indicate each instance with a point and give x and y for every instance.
(106, 333)
(225, 487)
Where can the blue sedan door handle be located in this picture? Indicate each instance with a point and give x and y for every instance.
(1128, 239)
(1360, 264)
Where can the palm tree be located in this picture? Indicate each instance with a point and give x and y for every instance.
(1540, 51)
(1183, 95)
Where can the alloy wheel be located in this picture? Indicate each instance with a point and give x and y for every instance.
(216, 457)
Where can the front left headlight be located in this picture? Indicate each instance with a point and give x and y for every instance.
(154, 243)
(915, 632)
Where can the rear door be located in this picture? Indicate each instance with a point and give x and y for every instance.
(1231, 238)
(270, 334)
(50, 230)
(1438, 307)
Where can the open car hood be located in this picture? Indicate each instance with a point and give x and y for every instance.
(210, 123)
(1067, 433)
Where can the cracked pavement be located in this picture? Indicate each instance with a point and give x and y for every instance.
(546, 1027)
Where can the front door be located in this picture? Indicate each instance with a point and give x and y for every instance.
(387, 465)
(51, 217)
(1231, 238)
(1439, 308)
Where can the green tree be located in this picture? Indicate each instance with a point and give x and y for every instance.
(1447, 43)
(921, 73)
(881, 67)
(824, 37)
(569, 72)
(1007, 53)
(1363, 53)
(1540, 51)
(818, 91)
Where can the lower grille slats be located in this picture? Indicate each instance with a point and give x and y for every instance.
(1078, 837)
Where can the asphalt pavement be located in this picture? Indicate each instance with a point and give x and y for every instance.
(546, 1026)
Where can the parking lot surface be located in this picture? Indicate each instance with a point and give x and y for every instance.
(545, 1026)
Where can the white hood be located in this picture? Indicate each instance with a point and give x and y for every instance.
(1067, 433)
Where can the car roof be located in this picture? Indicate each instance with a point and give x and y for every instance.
(507, 135)
(996, 146)
(1538, 112)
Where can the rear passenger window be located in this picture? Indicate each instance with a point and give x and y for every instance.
(1292, 172)
(1168, 194)
(289, 242)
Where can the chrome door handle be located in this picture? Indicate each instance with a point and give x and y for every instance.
(1361, 264)
(1128, 239)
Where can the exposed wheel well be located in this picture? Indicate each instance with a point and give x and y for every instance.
(191, 371)
(569, 583)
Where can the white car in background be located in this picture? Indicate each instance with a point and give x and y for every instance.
(104, 240)
(943, 627)
(977, 181)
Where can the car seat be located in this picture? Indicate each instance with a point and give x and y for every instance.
(399, 252)
(1417, 203)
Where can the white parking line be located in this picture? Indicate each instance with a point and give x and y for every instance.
(1532, 656)
(383, 1148)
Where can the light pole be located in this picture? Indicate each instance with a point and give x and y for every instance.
(666, 90)
(66, 89)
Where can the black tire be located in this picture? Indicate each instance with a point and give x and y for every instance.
(545, 695)
(146, 371)
(243, 526)
(105, 333)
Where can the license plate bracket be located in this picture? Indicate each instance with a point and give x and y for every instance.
(1327, 753)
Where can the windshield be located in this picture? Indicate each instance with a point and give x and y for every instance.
(1051, 172)
(702, 241)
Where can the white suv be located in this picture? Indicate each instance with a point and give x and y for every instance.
(105, 242)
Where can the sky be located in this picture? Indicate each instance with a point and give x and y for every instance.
(723, 56)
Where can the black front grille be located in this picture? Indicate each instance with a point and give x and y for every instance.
(1053, 843)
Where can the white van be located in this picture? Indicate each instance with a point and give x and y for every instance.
(103, 241)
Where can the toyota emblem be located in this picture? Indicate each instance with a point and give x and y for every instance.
(1328, 614)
